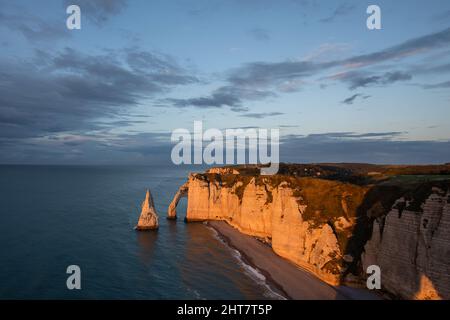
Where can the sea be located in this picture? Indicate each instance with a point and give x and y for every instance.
(53, 217)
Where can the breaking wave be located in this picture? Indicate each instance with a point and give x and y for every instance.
(252, 272)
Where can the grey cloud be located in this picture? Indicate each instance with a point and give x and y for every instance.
(382, 148)
(33, 28)
(342, 10)
(261, 78)
(405, 49)
(239, 109)
(162, 68)
(351, 99)
(260, 34)
(68, 90)
(262, 115)
(215, 100)
(229, 96)
(434, 69)
(353, 135)
(142, 148)
(99, 11)
(442, 16)
(263, 74)
(391, 77)
(329, 148)
(358, 79)
(440, 85)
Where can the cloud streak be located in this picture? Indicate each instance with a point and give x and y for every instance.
(262, 115)
(350, 100)
(342, 10)
(363, 80)
(441, 85)
(68, 90)
(33, 28)
(366, 149)
(227, 96)
(270, 77)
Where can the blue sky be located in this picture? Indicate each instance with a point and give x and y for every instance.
(113, 91)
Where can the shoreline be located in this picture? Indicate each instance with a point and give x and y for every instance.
(273, 285)
(289, 280)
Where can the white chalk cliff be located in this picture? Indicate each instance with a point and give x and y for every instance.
(412, 248)
(332, 227)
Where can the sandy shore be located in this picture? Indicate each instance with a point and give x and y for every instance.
(290, 280)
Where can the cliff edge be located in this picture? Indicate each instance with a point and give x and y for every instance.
(335, 220)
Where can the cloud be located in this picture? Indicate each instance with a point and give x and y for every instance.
(358, 79)
(440, 85)
(353, 135)
(408, 48)
(69, 90)
(342, 10)
(144, 148)
(228, 96)
(259, 80)
(381, 150)
(264, 74)
(99, 11)
(260, 34)
(32, 27)
(351, 99)
(141, 148)
(262, 115)
(442, 16)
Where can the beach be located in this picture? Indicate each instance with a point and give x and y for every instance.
(287, 278)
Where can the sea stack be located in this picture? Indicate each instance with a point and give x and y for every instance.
(148, 219)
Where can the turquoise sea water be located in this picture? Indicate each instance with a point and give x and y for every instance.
(55, 216)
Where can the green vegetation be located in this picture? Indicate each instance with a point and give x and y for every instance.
(407, 179)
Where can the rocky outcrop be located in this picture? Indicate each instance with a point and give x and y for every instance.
(412, 248)
(148, 219)
(337, 229)
(172, 210)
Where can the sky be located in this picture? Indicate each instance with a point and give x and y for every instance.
(113, 91)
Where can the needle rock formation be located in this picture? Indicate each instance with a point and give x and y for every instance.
(149, 218)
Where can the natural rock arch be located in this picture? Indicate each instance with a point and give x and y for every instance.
(182, 192)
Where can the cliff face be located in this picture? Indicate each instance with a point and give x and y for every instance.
(333, 228)
(279, 211)
(412, 247)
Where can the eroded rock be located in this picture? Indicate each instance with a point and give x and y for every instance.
(148, 219)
